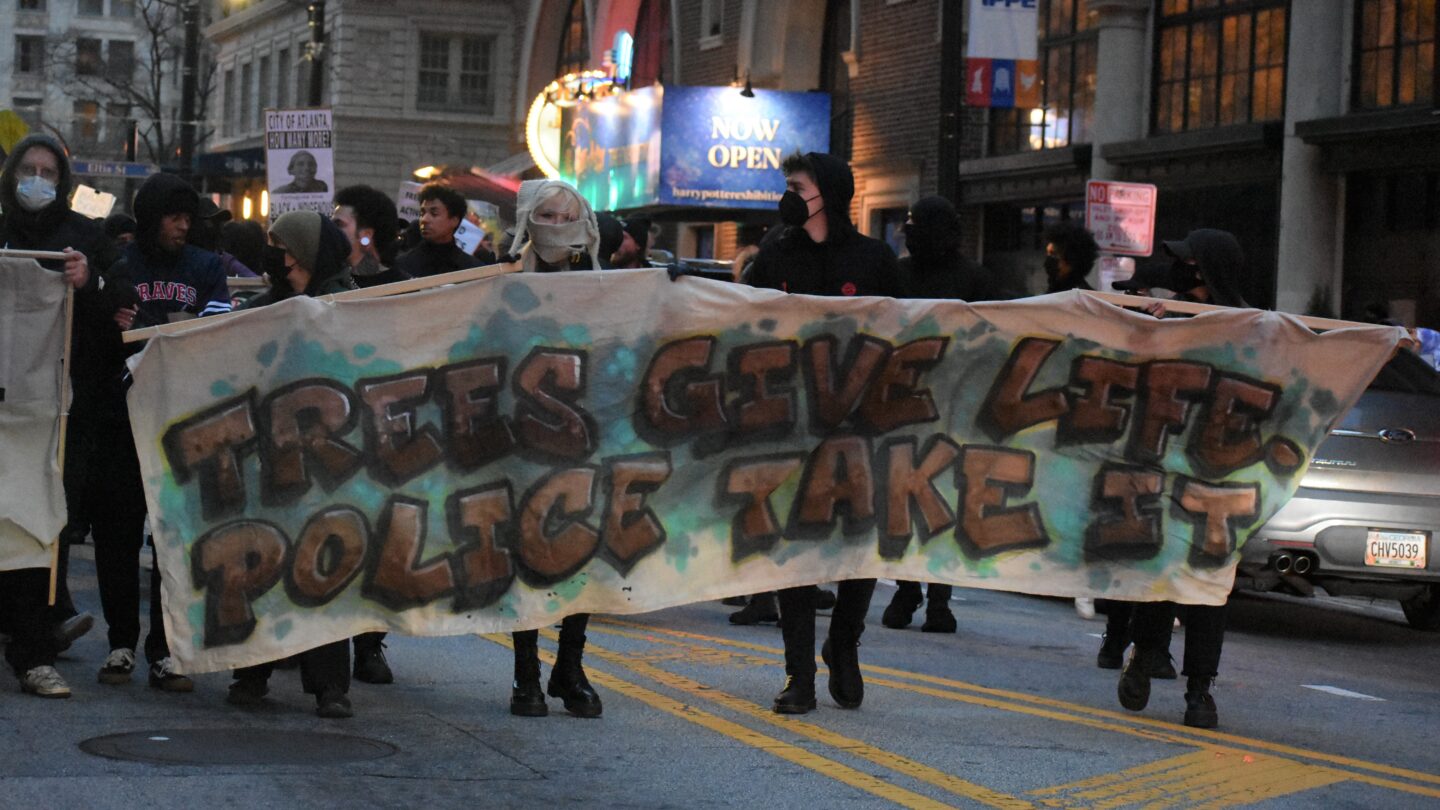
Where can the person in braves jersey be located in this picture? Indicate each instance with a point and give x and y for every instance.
(158, 279)
(821, 253)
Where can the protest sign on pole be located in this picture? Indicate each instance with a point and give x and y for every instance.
(1002, 67)
(299, 161)
(32, 400)
(407, 202)
(498, 454)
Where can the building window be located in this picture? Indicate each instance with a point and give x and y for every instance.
(121, 66)
(230, 126)
(122, 8)
(32, 5)
(30, 55)
(1067, 70)
(29, 111)
(1219, 63)
(87, 57)
(1395, 53)
(456, 74)
(574, 42)
(282, 79)
(86, 124)
(90, 8)
(247, 97)
(264, 96)
(652, 43)
(712, 20)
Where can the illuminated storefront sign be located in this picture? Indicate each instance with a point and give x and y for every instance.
(693, 146)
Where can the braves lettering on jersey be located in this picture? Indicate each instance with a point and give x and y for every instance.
(191, 282)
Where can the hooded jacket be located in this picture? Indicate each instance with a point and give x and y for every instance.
(320, 247)
(1222, 264)
(165, 286)
(935, 267)
(846, 263)
(56, 227)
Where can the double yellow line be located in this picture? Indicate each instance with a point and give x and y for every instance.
(1196, 776)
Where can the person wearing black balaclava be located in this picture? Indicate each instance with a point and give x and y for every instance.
(1207, 266)
(35, 187)
(159, 279)
(821, 253)
(935, 268)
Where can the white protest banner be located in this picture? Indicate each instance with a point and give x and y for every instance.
(32, 344)
(299, 161)
(498, 454)
(407, 202)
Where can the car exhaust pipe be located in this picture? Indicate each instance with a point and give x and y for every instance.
(1283, 562)
(1302, 564)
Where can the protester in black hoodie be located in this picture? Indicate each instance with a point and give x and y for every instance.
(35, 187)
(1208, 267)
(935, 268)
(159, 279)
(821, 253)
(307, 257)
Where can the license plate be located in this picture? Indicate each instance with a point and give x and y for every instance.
(1395, 549)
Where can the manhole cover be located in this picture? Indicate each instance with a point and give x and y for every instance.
(236, 746)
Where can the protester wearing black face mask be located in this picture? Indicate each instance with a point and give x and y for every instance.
(1070, 253)
(935, 268)
(821, 253)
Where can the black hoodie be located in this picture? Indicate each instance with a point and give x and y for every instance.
(846, 263)
(1222, 265)
(54, 228)
(935, 267)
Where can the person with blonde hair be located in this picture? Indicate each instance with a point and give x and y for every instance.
(555, 230)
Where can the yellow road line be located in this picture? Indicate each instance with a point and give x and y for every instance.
(1213, 779)
(1127, 724)
(770, 745)
(849, 745)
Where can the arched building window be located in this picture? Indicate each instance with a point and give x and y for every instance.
(574, 42)
(652, 43)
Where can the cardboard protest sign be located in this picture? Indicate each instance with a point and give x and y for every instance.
(499, 454)
(300, 161)
(32, 344)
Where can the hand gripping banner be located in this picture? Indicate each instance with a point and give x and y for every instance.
(32, 343)
(499, 454)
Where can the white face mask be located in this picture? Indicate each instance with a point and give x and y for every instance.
(34, 193)
(554, 243)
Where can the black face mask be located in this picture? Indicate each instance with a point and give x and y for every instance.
(1185, 277)
(795, 210)
(1052, 267)
(272, 263)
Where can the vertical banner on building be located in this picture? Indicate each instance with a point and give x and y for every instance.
(1002, 67)
(299, 160)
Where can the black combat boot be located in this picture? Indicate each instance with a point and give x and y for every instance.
(526, 699)
(760, 609)
(798, 696)
(1134, 688)
(938, 618)
(568, 681)
(797, 627)
(842, 655)
(902, 607)
(1112, 651)
(1199, 705)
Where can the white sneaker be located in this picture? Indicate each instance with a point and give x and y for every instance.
(1085, 607)
(45, 682)
(118, 667)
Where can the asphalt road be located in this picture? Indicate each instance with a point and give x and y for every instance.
(1326, 702)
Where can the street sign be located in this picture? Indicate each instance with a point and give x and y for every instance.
(1121, 216)
(112, 168)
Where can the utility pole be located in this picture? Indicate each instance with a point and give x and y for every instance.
(952, 82)
(316, 52)
(189, 81)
